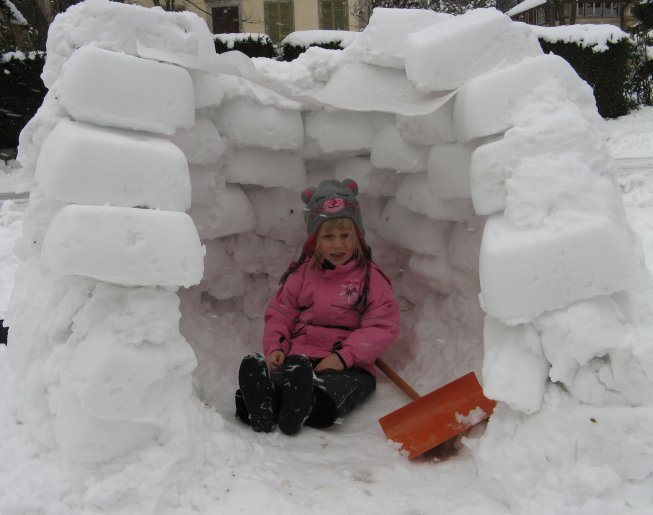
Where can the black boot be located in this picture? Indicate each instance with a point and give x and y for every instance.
(297, 394)
(257, 392)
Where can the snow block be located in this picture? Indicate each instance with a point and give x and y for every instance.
(246, 124)
(87, 439)
(432, 271)
(226, 211)
(426, 236)
(525, 273)
(86, 164)
(222, 277)
(117, 90)
(434, 128)
(130, 362)
(133, 247)
(207, 88)
(464, 245)
(448, 170)
(383, 42)
(486, 105)
(201, 144)
(389, 150)
(483, 39)
(279, 215)
(267, 168)
(205, 181)
(414, 194)
(371, 181)
(514, 368)
(573, 336)
(337, 133)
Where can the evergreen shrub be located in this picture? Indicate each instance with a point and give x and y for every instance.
(290, 52)
(250, 44)
(607, 72)
(21, 93)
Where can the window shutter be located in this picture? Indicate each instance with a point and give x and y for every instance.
(279, 19)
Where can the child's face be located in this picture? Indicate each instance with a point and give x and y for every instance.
(336, 243)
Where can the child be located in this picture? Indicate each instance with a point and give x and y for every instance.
(332, 317)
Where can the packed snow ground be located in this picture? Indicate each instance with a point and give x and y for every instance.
(351, 468)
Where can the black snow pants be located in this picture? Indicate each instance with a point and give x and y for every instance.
(335, 394)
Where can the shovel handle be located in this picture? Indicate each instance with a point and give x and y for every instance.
(396, 379)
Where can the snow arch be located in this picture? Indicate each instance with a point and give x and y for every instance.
(490, 159)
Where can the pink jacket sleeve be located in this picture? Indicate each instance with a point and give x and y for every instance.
(379, 324)
(280, 316)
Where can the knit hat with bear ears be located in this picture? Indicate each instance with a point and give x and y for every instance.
(331, 199)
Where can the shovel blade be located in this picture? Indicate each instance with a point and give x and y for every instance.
(435, 418)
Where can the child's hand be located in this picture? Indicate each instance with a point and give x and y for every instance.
(275, 359)
(331, 361)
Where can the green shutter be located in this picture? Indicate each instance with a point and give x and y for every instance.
(334, 15)
(279, 19)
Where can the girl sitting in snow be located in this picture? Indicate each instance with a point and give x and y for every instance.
(332, 317)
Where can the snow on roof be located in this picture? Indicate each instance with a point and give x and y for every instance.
(524, 6)
(311, 37)
(586, 35)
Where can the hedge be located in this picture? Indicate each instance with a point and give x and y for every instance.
(250, 44)
(607, 72)
(21, 93)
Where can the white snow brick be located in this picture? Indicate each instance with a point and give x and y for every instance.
(370, 180)
(413, 231)
(524, 273)
(87, 439)
(487, 104)
(257, 255)
(514, 368)
(389, 150)
(573, 336)
(448, 170)
(133, 247)
(383, 42)
(414, 194)
(434, 128)
(338, 133)
(483, 39)
(279, 214)
(107, 88)
(222, 277)
(86, 164)
(432, 271)
(201, 144)
(228, 211)
(205, 181)
(130, 362)
(267, 168)
(247, 124)
(464, 245)
(207, 89)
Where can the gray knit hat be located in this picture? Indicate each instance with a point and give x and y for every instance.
(332, 199)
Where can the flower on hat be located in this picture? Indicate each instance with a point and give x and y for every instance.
(333, 205)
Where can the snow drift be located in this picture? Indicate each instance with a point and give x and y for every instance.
(488, 196)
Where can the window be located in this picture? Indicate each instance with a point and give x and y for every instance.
(611, 9)
(279, 19)
(592, 9)
(334, 14)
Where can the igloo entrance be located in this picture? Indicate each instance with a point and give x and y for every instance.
(486, 190)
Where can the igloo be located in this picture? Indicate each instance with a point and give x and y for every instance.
(165, 206)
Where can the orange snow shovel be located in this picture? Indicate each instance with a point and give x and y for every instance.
(436, 417)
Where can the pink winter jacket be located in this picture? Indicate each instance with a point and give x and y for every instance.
(313, 314)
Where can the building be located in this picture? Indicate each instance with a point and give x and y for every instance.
(276, 18)
(555, 12)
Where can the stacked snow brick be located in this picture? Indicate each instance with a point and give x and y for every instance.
(108, 244)
(486, 192)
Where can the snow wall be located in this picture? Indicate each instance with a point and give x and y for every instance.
(165, 188)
